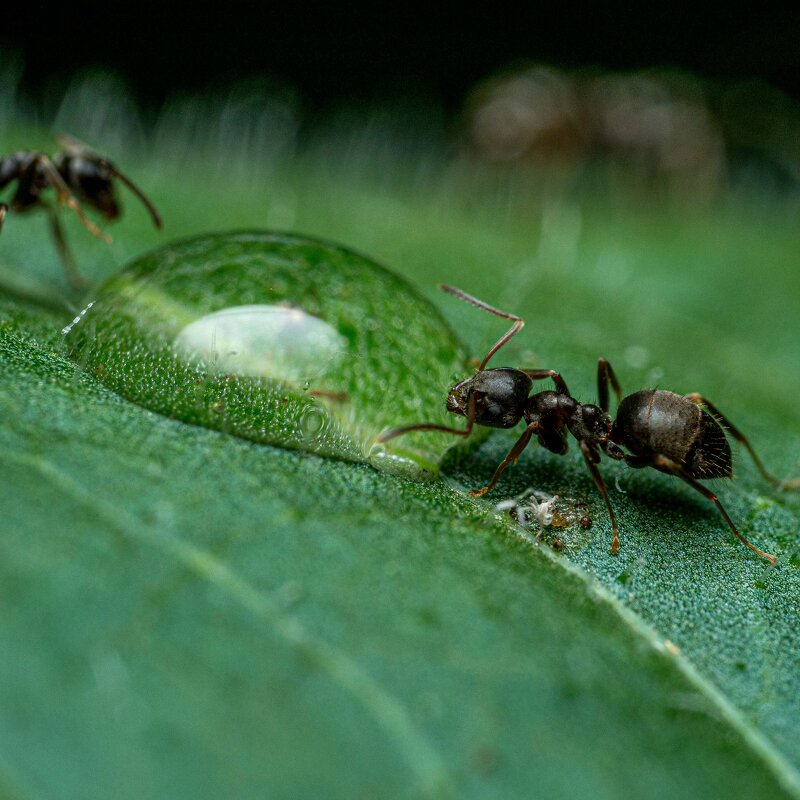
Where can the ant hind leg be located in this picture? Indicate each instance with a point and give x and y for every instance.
(591, 459)
(699, 400)
(667, 465)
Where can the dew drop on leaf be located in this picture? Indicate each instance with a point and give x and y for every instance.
(279, 339)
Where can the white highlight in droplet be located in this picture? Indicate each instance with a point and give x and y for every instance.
(263, 341)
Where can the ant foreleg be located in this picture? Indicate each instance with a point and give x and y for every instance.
(512, 456)
(740, 437)
(66, 197)
(667, 465)
(591, 459)
(605, 373)
(3, 212)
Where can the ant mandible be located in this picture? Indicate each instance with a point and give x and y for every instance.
(681, 436)
(74, 172)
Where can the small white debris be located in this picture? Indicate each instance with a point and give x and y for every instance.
(544, 510)
(530, 505)
(671, 647)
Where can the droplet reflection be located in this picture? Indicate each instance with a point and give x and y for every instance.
(263, 341)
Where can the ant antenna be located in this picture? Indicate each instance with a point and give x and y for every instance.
(510, 334)
(136, 190)
(384, 437)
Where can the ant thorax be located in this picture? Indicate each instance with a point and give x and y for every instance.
(549, 412)
(589, 423)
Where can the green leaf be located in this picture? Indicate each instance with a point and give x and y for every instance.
(187, 613)
(193, 615)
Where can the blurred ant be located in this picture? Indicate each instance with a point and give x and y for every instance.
(661, 429)
(74, 172)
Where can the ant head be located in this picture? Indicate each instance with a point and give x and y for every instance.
(93, 177)
(499, 396)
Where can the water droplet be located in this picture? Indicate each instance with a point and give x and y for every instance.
(377, 450)
(313, 422)
(279, 339)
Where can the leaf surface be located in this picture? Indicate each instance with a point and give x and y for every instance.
(186, 613)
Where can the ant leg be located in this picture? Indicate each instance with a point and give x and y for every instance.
(598, 480)
(76, 280)
(542, 374)
(638, 462)
(510, 334)
(65, 196)
(605, 373)
(384, 437)
(338, 397)
(667, 465)
(513, 455)
(3, 212)
(739, 436)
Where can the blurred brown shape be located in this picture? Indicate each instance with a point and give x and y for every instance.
(649, 129)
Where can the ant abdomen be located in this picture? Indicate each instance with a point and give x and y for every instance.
(658, 422)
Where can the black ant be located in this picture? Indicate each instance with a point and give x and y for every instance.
(681, 436)
(74, 172)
